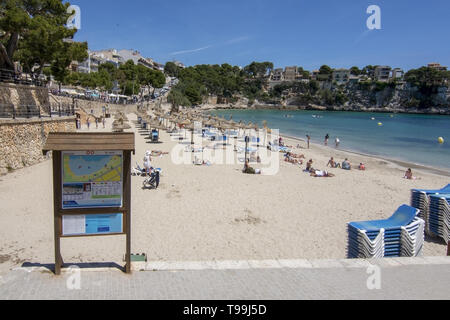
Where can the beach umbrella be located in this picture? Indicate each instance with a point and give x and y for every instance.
(224, 127)
(249, 126)
(191, 127)
(120, 126)
(265, 131)
(185, 123)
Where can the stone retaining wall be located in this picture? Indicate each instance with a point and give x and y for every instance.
(96, 106)
(23, 95)
(21, 141)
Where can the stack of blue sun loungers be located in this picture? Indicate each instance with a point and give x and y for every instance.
(439, 216)
(413, 238)
(400, 235)
(420, 199)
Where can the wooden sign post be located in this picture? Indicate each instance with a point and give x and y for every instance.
(91, 187)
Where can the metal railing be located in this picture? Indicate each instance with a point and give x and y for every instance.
(10, 76)
(9, 111)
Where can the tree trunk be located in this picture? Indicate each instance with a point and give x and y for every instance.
(6, 53)
(5, 60)
(12, 45)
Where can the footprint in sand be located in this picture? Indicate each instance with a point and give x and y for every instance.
(173, 194)
(249, 219)
(4, 258)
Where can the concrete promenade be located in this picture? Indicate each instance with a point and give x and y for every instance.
(400, 278)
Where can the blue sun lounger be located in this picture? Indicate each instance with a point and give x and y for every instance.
(439, 216)
(384, 238)
(420, 199)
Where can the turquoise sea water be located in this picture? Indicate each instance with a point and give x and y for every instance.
(412, 138)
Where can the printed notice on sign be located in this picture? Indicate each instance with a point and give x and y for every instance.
(92, 179)
(79, 225)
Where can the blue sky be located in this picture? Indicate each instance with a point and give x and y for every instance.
(286, 32)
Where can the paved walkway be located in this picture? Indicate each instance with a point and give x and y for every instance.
(421, 278)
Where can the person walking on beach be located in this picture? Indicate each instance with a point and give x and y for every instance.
(308, 139)
(104, 122)
(338, 142)
(147, 163)
(96, 123)
(88, 123)
(327, 137)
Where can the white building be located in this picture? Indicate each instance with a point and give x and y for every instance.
(341, 76)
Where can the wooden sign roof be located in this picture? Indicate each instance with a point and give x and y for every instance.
(89, 142)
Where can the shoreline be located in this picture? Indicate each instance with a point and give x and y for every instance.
(430, 111)
(396, 162)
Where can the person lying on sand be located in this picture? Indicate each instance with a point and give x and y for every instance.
(333, 164)
(321, 174)
(158, 153)
(293, 160)
(296, 156)
(198, 162)
(250, 170)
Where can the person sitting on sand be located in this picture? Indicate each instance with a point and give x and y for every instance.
(409, 175)
(362, 167)
(309, 167)
(333, 164)
(321, 174)
(346, 165)
(250, 170)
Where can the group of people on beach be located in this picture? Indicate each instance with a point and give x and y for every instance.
(148, 159)
(88, 123)
(317, 173)
(337, 141)
(346, 165)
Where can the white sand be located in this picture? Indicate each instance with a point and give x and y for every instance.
(207, 213)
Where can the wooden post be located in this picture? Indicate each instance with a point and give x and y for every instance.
(127, 206)
(57, 205)
(448, 249)
(247, 139)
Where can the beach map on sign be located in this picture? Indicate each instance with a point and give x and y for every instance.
(93, 180)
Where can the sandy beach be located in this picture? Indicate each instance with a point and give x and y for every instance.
(202, 213)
